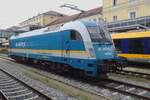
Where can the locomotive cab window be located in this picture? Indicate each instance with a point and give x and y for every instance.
(75, 35)
(99, 34)
(94, 33)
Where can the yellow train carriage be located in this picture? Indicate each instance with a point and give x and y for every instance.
(3, 49)
(135, 46)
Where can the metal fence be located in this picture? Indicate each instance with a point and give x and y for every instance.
(125, 25)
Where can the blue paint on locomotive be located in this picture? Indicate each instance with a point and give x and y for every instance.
(46, 41)
(58, 47)
(104, 51)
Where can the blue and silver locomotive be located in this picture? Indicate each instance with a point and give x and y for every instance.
(81, 45)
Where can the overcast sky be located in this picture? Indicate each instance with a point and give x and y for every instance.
(13, 12)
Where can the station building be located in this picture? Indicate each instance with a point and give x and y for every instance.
(115, 10)
(42, 19)
(124, 15)
(5, 34)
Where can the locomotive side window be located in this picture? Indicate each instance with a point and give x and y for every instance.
(75, 35)
(136, 46)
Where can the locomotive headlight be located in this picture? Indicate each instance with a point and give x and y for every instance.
(92, 53)
(107, 49)
(108, 53)
(99, 49)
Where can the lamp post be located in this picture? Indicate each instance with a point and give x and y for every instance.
(73, 7)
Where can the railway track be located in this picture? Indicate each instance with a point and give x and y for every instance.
(125, 88)
(12, 88)
(94, 94)
(135, 74)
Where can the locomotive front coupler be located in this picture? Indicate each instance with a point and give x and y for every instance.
(121, 63)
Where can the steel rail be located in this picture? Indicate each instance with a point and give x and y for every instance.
(135, 74)
(98, 83)
(3, 96)
(136, 87)
(107, 98)
(40, 94)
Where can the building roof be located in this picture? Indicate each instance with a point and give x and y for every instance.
(54, 13)
(13, 28)
(129, 24)
(77, 16)
(2, 30)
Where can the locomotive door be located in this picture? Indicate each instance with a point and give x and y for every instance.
(66, 46)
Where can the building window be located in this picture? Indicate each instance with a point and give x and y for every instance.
(131, 0)
(114, 18)
(132, 15)
(114, 2)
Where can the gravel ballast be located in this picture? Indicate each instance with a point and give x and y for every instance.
(94, 89)
(17, 72)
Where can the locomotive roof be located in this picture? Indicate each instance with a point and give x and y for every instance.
(67, 26)
(30, 33)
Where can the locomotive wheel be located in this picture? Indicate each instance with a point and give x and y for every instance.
(81, 74)
(35, 61)
(17, 60)
(51, 66)
(30, 61)
(65, 68)
(74, 73)
(59, 69)
(77, 74)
